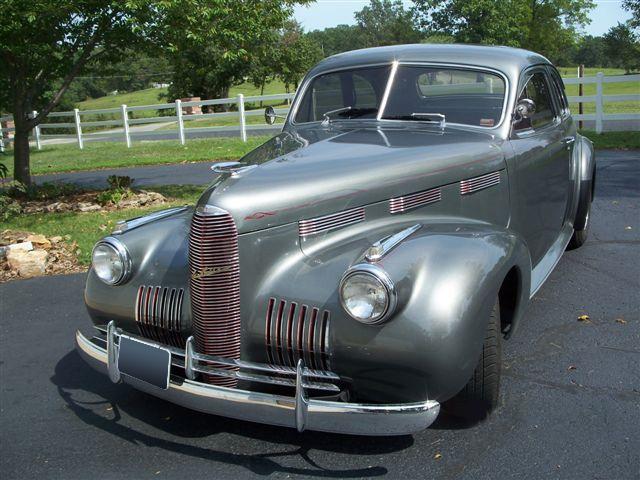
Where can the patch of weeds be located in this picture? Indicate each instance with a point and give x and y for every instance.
(119, 189)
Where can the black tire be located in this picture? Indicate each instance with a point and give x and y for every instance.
(481, 395)
(580, 235)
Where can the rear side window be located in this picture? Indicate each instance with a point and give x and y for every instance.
(537, 89)
(558, 85)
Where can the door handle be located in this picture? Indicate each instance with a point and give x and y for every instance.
(568, 140)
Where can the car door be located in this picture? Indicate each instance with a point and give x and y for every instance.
(540, 168)
(568, 128)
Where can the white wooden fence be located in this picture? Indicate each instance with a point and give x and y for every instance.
(599, 99)
(125, 133)
(123, 123)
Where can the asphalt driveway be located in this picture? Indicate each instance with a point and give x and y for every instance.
(570, 402)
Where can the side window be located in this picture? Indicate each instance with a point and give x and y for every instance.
(537, 89)
(561, 94)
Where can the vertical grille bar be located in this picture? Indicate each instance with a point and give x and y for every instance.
(158, 313)
(294, 331)
(215, 287)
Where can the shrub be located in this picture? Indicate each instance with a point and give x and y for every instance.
(9, 208)
(112, 196)
(117, 182)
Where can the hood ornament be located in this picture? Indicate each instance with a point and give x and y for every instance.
(233, 168)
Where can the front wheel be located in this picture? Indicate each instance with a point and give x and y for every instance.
(481, 394)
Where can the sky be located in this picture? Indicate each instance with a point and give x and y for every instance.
(329, 13)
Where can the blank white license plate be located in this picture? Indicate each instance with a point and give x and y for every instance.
(144, 361)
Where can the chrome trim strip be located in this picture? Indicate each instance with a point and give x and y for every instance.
(472, 185)
(126, 225)
(387, 90)
(328, 416)
(382, 247)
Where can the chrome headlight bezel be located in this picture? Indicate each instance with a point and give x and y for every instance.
(123, 255)
(380, 276)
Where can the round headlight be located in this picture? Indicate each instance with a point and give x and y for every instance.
(110, 261)
(367, 294)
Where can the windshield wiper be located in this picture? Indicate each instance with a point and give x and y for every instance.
(421, 117)
(349, 112)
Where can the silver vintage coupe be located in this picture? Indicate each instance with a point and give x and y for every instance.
(366, 264)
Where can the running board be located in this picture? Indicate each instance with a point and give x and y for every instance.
(545, 266)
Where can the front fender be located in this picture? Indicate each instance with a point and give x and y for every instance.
(448, 278)
(447, 275)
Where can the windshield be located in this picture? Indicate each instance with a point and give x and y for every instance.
(418, 93)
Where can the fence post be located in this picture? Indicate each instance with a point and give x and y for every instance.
(580, 92)
(243, 123)
(599, 102)
(36, 131)
(180, 122)
(125, 125)
(76, 114)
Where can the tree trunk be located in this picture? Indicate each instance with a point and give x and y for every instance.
(21, 168)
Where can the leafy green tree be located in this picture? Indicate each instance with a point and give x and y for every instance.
(264, 65)
(590, 51)
(545, 26)
(387, 22)
(622, 47)
(44, 45)
(633, 6)
(296, 53)
(338, 39)
(211, 44)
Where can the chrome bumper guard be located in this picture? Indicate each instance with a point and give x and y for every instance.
(300, 411)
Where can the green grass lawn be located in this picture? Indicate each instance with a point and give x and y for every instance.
(97, 155)
(219, 122)
(87, 228)
(613, 140)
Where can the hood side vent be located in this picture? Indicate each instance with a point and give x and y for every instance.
(414, 200)
(330, 222)
(475, 184)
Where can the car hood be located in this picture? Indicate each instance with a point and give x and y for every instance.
(308, 172)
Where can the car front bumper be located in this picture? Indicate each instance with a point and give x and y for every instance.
(299, 412)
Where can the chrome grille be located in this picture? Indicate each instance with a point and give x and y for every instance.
(158, 314)
(294, 331)
(414, 200)
(476, 184)
(215, 287)
(330, 222)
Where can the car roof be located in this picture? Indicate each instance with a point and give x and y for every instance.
(510, 61)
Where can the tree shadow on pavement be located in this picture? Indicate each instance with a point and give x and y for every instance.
(74, 379)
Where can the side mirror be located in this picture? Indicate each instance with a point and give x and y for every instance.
(270, 115)
(525, 108)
